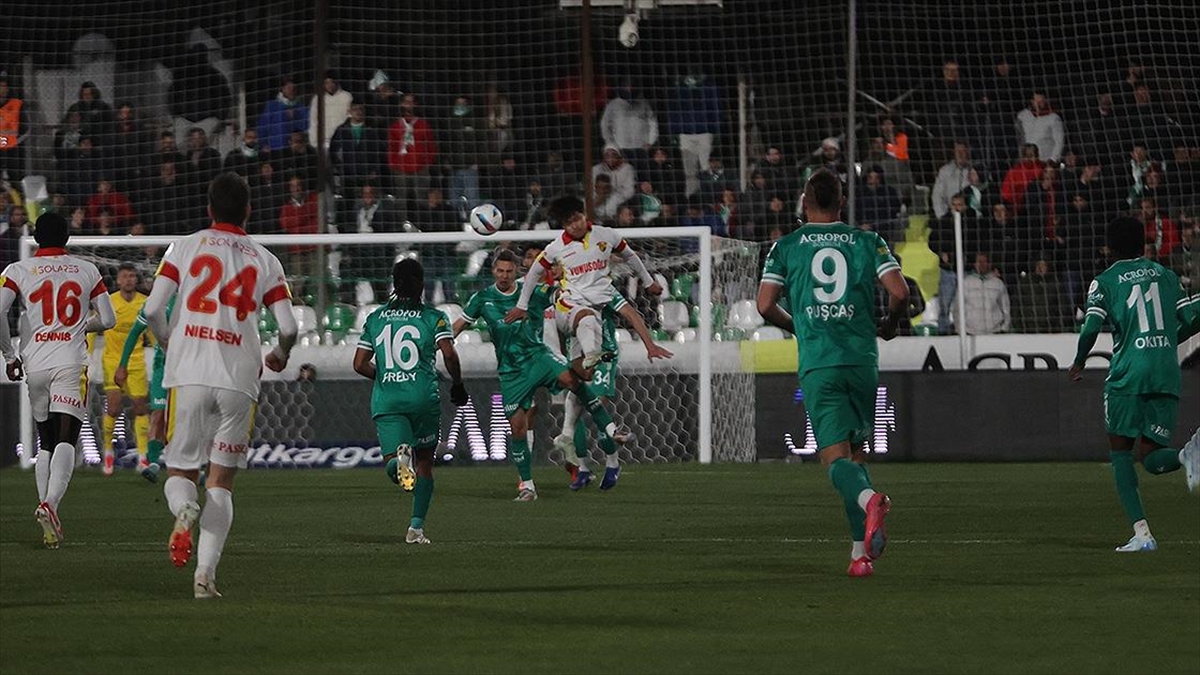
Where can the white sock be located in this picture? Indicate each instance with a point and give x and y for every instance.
(179, 492)
(62, 465)
(583, 463)
(529, 439)
(587, 331)
(857, 550)
(612, 461)
(864, 497)
(527, 485)
(215, 520)
(41, 471)
(572, 407)
(1142, 529)
(611, 429)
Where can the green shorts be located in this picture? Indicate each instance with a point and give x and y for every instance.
(540, 371)
(1134, 415)
(604, 380)
(840, 401)
(417, 430)
(158, 395)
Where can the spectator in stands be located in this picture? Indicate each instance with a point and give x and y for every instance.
(535, 206)
(244, 159)
(167, 203)
(622, 176)
(298, 158)
(952, 179)
(629, 123)
(1101, 133)
(104, 225)
(1001, 236)
(465, 151)
(1186, 258)
(130, 145)
(554, 178)
(96, 116)
(756, 200)
(1153, 188)
(167, 148)
(266, 194)
(1184, 184)
(356, 152)
(282, 116)
(980, 194)
(726, 209)
(78, 220)
(383, 105)
(830, 158)
(1017, 180)
(1001, 99)
(650, 205)
(626, 217)
(698, 216)
(298, 215)
(83, 170)
(985, 300)
(665, 176)
(441, 261)
(337, 109)
(1040, 125)
(1147, 120)
(203, 163)
(715, 180)
(603, 205)
(1079, 254)
(199, 94)
(1090, 184)
(1135, 170)
(878, 206)
(14, 132)
(368, 263)
(942, 243)
(1039, 307)
(777, 223)
(949, 111)
(1162, 234)
(106, 198)
(775, 172)
(499, 113)
(694, 115)
(895, 173)
(506, 188)
(895, 139)
(1043, 213)
(66, 138)
(411, 151)
(13, 225)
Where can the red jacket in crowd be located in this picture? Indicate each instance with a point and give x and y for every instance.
(418, 153)
(1017, 181)
(117, 204)
(1162, 243)
(299, 219)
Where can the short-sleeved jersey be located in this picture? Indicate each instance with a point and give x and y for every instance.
(56, 289)
(1142, 300)
(828, 272)
(514, 342)
(127, 312)
(404, 340)
(585, 264)
(224, 277)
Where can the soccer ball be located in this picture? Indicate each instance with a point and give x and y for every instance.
(486, 219)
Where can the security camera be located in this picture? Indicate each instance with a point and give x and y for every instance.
(627, 35)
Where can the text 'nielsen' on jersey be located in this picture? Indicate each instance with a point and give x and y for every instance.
(56, 289)
(224, 277)
(404, 340)
(1141, 299)
(514, 342)
(585, 264)
(828, 272)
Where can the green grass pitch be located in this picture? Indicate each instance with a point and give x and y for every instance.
(685, 569)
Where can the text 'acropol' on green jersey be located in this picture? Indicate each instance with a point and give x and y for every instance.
(828, 272)
(404, 340)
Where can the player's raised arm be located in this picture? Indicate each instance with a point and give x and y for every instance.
(532, 278)
(631, 258)
(634, 317)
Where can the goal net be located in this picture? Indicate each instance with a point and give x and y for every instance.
(696, 406)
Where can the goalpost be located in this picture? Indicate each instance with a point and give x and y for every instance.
(696, 406)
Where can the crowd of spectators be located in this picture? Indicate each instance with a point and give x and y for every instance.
(1033, 185)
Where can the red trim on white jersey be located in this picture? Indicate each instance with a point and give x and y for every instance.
(57, 250)
(12, 286)
(620, 247)
(275, 295)
(568, 238)
(228, 227)
(169, 271)
(545, 263)
(99, 289)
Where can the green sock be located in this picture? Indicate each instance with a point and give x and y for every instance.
(848, 480)
(1162, 460)
(602, 419)
(857, 519)
(390, 470)
(581, 438)
(422, 495)
(519, 450)
(866, 474)
(154, 450)
(1125, 474)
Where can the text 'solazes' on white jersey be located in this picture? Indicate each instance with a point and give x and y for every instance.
(585, 264)
(224, 277)
(56, 289)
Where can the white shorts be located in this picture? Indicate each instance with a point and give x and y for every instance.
(565, 316)
(206, 424)
(58, 390)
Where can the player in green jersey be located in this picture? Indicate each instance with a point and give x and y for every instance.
(525, 364)
(828, 270)
(397, 351)
(158, 395)
(1150, 315)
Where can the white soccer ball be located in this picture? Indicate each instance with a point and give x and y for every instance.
(486, 219)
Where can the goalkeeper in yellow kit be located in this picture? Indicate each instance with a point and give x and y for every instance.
(127, 303)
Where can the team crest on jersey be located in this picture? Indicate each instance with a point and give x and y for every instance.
(603, 245)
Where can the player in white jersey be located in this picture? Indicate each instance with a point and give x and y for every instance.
(582, 253)
(214, 361)
(55, 289)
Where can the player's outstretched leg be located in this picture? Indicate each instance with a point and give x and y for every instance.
(605, 428)
(579, 447)
(422, 496)
(860, 564)
(1189, 457)
(521, 456)
(853, 483)
(215, 521)
(399, 468)
(181, 496)
(1125, 477)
